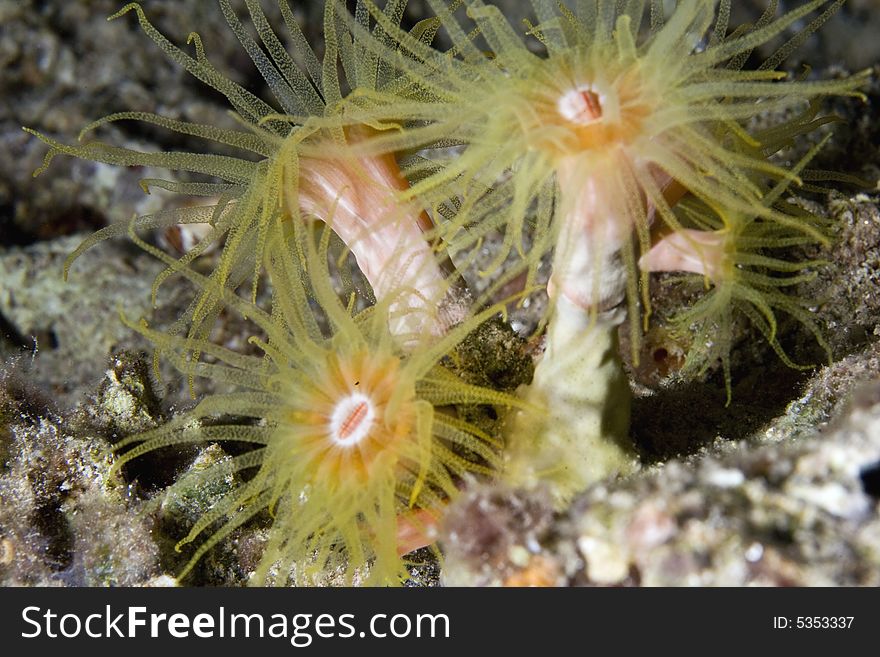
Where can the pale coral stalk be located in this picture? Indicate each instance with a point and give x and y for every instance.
(357, 197)
(583, 436)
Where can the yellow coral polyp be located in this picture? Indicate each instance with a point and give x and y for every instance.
(739, 258)
(660, 102)
(579, 137)
(288, 157)
(356, 443)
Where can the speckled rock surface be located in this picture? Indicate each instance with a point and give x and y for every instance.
(62, 65)
(63, 520)
(71, 327)
(800, 512)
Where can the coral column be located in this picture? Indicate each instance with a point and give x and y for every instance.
(581, 434)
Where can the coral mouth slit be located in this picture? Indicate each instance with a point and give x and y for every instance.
(580, 105)
(352, 420)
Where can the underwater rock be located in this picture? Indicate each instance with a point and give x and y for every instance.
(801, 512)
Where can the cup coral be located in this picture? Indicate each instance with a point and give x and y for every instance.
(356, 444)
(595, 141)
(291, 164)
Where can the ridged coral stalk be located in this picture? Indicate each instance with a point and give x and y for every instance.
(385, 237)
(583, 434)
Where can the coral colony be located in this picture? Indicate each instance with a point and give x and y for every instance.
(608, 138)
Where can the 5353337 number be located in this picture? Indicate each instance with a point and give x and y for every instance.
(813, 622)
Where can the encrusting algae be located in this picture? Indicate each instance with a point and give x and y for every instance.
(612, 136)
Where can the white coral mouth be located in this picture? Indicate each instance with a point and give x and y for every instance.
(352, 419)
(581, 105)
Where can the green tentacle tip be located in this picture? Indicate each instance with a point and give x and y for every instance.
(196, 39)
(48, 157)
(127, 8)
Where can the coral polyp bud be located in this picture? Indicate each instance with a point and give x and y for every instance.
(691, 250)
